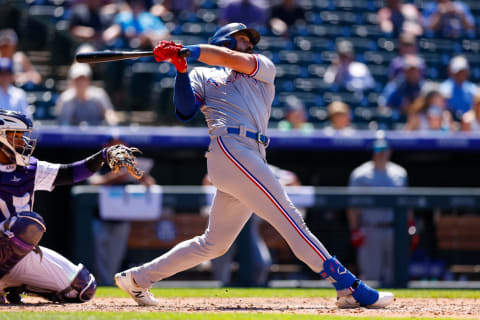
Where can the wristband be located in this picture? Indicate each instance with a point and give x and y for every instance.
(194, 52)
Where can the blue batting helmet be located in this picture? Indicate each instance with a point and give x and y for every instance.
(223, 36)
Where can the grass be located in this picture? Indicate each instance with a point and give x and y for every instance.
(228, 293)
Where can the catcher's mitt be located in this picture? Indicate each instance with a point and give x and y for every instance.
(121, 156)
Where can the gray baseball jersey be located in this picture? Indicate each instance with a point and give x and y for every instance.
(237, 168)
(236, 99)
(367, 176)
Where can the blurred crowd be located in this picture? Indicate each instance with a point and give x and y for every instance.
(94, 95)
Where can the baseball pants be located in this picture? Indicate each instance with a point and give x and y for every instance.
(245, 184)
(50, 273)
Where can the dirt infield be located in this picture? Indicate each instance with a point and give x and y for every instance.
(442, 308)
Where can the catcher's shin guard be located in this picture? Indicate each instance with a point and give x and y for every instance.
(19, 235)
(81, 289)
(346, 283)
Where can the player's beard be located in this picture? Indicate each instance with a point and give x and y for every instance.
(248, 50)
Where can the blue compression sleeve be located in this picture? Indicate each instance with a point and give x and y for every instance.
(194, 52)
(186, 106)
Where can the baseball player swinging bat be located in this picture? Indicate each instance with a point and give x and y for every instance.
(107, 56)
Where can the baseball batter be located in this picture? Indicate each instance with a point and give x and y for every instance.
(236, 98)
(24, 265)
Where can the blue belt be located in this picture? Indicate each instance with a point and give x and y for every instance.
(260, 138)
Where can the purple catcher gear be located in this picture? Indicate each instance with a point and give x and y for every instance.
(81, 289)
(19, 235)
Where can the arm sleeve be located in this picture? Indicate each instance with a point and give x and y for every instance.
(265, 70)
(45, 175)
(186, 102)
(80, 170)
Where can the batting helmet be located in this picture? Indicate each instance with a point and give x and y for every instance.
(17, 148)
(223, 36)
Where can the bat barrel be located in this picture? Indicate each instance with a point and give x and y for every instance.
(106, 56)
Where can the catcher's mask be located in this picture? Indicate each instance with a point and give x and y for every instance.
(224, 36)
(15, 137)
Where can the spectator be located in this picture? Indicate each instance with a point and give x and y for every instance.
(284, 15)
(407, 46)
(111, 236)
(372, 230)
(89, 21)
(84, 103)
(179, 7)
(448, 19)
(399, 93)
(428, 112)
(25, 73)
(244, 11)
(345, 72)
(398, 17)
(471, 118)
(457, 90)
(135, 28)
(295, 116)
(11, 97)
(340, 117)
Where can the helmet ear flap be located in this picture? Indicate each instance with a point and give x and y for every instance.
(230, 43)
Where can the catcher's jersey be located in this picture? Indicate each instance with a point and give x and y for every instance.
(233, 99)
(18, 184)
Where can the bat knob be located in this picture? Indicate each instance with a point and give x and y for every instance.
(184, 53)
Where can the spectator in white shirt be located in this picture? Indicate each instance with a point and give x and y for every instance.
(84, 103)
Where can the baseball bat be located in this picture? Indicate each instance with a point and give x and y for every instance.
(106, 56)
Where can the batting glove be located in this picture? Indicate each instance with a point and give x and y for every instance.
(168, 51)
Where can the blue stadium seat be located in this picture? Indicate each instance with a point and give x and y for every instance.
(274, 43)
(296, 57)
(288, 70)
(331, 31)
(360, 44)
(44, 103)
(313, 43)
(378, 57)
(367, 31)
(439, 45)
(188, 39)
(310, 84)
(317, 70)
(339, 17)
(207, 15)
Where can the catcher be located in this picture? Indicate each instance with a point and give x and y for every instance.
(26, 267)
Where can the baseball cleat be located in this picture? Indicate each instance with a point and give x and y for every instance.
(348, 302)
(142, 296)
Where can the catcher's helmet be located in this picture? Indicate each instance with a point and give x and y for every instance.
(223, 36)
(17, 149)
